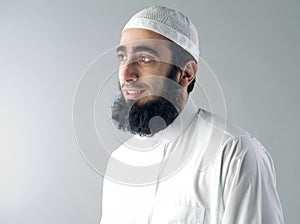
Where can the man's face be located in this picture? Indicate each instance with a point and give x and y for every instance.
(143, 55)
(151, 96)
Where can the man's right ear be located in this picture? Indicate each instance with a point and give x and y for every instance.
(188, 73)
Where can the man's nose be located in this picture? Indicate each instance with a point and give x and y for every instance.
(128, 72)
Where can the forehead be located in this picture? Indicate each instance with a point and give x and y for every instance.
(133, 40)
(135, 34)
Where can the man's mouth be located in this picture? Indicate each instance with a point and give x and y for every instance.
(133, 94)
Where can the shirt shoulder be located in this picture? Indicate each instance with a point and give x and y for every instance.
(220, 124)
(228, 140)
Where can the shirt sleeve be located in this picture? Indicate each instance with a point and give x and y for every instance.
(249, 184)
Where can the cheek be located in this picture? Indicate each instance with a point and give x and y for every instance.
(120, 72)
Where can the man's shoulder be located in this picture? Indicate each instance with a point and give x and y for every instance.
(229, 135)
(220, 124)
(232, 143)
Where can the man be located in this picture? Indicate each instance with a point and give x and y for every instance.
(183, 165)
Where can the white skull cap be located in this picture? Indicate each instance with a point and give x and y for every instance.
(169, 23)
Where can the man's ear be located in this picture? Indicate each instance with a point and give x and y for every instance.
(188, 73)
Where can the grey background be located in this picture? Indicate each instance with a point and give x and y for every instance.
(45, 46)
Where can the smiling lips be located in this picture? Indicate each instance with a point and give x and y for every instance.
(133, 94)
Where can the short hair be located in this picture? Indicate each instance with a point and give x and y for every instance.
(179, 58)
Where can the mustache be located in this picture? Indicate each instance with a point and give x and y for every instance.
(134, 85)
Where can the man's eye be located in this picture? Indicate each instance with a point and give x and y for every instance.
(121, 57)
(145, 59)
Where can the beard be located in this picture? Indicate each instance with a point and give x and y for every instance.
(150, 117)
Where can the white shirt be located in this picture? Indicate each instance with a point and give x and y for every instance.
(200, 169)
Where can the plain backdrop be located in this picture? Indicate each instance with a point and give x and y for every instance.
(45, 46)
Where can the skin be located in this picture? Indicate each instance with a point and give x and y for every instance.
(142, 54)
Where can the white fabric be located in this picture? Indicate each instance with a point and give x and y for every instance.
(230, 178)
(170, 23)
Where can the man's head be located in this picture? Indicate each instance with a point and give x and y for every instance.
(158, 56)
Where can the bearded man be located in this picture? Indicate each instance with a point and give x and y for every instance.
(183, 164)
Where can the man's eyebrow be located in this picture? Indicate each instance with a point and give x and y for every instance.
(140, 49)
(146, 49)
(121, 48)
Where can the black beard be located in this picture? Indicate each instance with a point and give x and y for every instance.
(148, 118)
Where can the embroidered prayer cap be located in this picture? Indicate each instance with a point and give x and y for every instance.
(170, 23)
